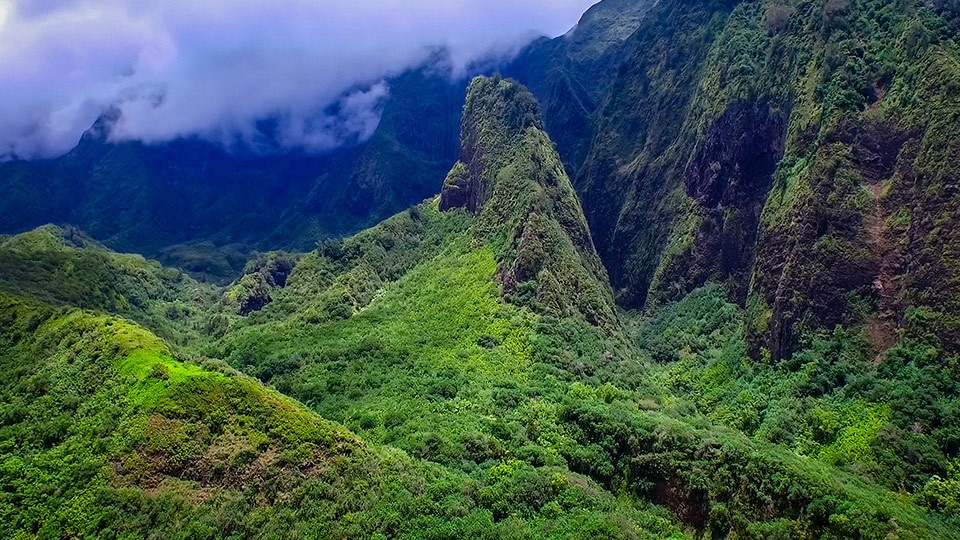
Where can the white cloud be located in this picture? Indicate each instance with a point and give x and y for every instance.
(214, 67)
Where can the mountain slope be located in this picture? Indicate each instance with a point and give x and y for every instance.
(381, 331)
(424, 302)
(769, 183)
(777, 147)
(403, 334)
(435, 363)
(64, 267)
(105, 434)
(510, 176)
(571, 75)
(138, 443)
(194, 203)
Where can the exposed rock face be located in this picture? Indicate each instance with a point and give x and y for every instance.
(255, 298)
(734, 166)
(844, 245)
(874, 147)
(496, 116)
(276, 269)
(268, 272)
(511, 177)
(730, 178)
(461, 190)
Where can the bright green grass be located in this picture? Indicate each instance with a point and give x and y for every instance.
(423, 359)
(439, 366)
(103, 433)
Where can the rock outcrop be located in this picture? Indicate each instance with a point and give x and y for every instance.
(510, 176)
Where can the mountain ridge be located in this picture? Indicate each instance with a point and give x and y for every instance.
(696, 282)
(511, 177)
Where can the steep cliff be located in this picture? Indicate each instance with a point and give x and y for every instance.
(799, 152)
(571, 75)
(510, 175)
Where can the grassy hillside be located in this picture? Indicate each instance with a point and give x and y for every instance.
(65, 267)
(106, 434)
(443, 368)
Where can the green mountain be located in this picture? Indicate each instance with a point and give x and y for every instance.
(780, 148)
(571, 75)
(510, 176)
(696, 282)
(195, 205)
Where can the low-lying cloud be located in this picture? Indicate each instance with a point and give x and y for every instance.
(213, 68)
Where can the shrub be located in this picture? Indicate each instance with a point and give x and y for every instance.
(778, 17)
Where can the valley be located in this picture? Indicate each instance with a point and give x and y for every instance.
(688, 271)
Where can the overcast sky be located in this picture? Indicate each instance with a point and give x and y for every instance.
(213, 67)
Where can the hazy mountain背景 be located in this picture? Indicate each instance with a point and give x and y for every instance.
(194, 204)
(687, 271)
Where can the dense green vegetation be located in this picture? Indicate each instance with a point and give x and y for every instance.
(65, 267)
(770, 184)
(858, 98)
(894, 422)
(511, 177)
(510, 407)
(439, 366)
(105, 434)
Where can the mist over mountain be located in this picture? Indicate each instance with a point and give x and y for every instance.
(201, 206)
(214, 69)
